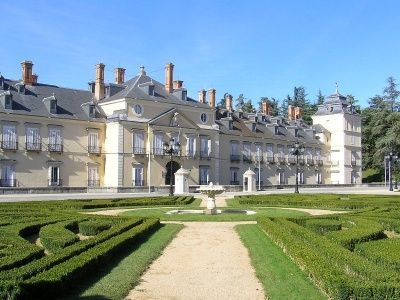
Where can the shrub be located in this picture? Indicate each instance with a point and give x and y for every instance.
(93, 227)
(323, 225)
(55, 236)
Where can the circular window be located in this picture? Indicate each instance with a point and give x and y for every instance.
(138, 109)
(203, 117)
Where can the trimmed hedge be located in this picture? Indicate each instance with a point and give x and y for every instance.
(93, 227)
(67, 274)
(323, 225)
(337, 271)
(383, 252)
(55, 237)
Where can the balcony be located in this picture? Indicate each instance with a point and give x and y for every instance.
(281, 159)
(353, 162)
(33, 146)
(320, 162)
(190, 154)
(204, 182)
(205, 155)
(93, 183)
(55, 148)
(9, 145)
(270, 159)
(157, 151)
(235, 157)
(8, 182)
(137, 182)
(94, 150)
(291, 160)
(139, 150)
(234, 182)
(302, 160)
(310, 161)
(55, 182)
(247, 158)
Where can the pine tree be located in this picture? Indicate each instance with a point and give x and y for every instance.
(320, 98)
(390, 94)
(239, 102)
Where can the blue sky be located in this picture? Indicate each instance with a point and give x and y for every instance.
(258, 48)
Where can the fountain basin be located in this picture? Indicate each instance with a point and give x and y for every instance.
(204, 211)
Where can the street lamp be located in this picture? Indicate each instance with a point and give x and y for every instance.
(390, 157)
(297, 149)
(171, 148)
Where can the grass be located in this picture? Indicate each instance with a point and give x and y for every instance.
(279, 275)
(261, 212)
(117, 281)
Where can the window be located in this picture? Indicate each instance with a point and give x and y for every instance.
(230, 125)
(93, 142)
(9, 138)
(190, 146)
(93, 176)
(296, 132)
(247, 151)
(137, 175)
(151, 90)
(300, 176)
(138, 109)
(92, 111)
(353, 175)
(270, 152)
(258, 152)
(254, 127)
(234, 176)
(54, 176)
(276, 130)
(280, 177)
(184, 95)
(55, 140)
(353, 158)
(53, 106)
(33, 141)
(138, 143)
(235, 155)
(203, 118)
(205, 147)
(281, 151)
(204, 174)
(158, 143)
(8, 176)
(318, 177)
(8, 102)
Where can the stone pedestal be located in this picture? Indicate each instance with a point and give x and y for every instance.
(182, 181)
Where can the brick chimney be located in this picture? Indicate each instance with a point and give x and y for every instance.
(228, 102)
(291, 115)
(297, 113)
(177, 84)
(119, 75)
(27, 67)
(211, 97)
(202, 96)
(99, 83)
(169, 77)
(265, 109)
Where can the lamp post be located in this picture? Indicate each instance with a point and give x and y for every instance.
(297, 149)
(390, 157)
(171, 148)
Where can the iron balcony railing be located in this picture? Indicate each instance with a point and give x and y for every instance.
(234, 182)
(205, 155)
(353, 162)
(55, 147)
(292, 160)
(191, 154)
(33, 146)
(247, 158)
(235, 157)
(55, 183)
(281, 159)
(157, 151)
(310, 161)
(5, 182)
(302, 161)
(139, 150)
(93, 183)
(137, 182)
(204, 182)
(270, 159)
(9, 145)
(94, 149)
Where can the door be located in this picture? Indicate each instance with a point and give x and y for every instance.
(54, 176)
(93, 176)
(8, 175)
(137, 175)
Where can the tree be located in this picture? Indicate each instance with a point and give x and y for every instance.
(390, 94)
(273, 105)
(353, 103)
(320, 98)
(283, 109)
(239, 102)
(221, 103)
(244, 104)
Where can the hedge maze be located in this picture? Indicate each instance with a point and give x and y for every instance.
(348, 256)
(47, 247)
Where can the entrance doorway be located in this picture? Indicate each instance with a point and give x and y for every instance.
(170, 175)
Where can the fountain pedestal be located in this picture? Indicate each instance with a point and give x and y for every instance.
(211, 190)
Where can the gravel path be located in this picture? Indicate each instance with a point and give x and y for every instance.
(206, 260)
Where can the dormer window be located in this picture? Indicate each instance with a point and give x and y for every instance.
(230, 125)
(240, 114)
(254, 127)
(2, 82)
(8, 102)
(92, 111)
(21, 88)
(184, 95)
(276, 130)
(296, 132)
(151, 90)
(53, 106)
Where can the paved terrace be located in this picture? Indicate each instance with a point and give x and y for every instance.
(66, 196)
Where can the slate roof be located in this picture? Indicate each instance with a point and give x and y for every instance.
(70, 102)
(134, 89)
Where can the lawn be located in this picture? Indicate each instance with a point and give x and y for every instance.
(279, 275)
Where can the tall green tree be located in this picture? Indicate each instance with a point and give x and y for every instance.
(391, 94)
(353, 103)
(283, 108)
(320, 98)
(239, 102)
(273, 105)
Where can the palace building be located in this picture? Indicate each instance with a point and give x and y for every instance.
(112, 136)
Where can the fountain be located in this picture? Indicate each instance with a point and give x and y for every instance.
(211, 191)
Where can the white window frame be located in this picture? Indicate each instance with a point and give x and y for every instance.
(138, 175)
(138, 142)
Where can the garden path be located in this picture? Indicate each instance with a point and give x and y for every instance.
(206, 260)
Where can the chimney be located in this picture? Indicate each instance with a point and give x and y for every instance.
(297, 113)
(291, 115)
(169, 77)
(211, 95)
(177, 84)
(228, 102)
(202, 96)
(119, 75)
(99, 83)
(27, 67)
(265, 108)
(34, 78)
